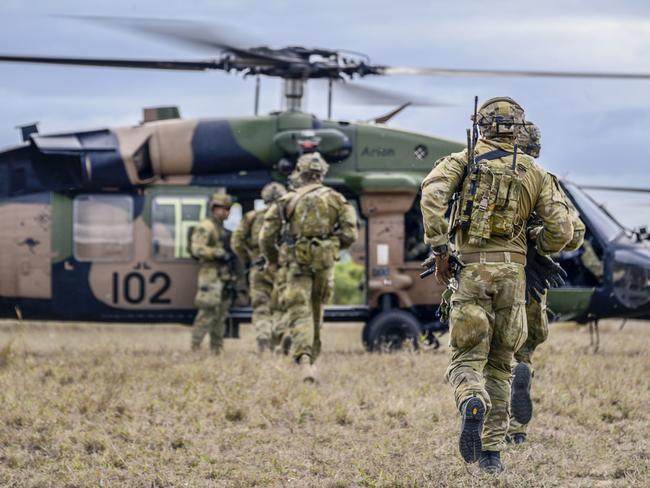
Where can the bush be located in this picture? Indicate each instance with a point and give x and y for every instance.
(348, 283)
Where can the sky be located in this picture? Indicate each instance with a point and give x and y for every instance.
(593, 131)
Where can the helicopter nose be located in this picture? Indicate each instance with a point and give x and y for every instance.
(631, 277)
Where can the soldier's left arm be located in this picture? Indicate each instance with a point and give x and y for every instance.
(269, 234)
(346, 231)
(437, 189)
(554, 211)
(579, 228)
(578, 237)
(239, 239)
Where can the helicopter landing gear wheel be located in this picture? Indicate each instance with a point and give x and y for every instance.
(391, 330)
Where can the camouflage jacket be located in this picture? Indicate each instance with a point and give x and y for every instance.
(579, 228)
(209, 244)
(342, 222)
(540, 193)
(245, 239)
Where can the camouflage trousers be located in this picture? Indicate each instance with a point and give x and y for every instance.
(279, 328)
(488, 325)
(212, 312)
(261, 289)
(302, 303)
(537, 334)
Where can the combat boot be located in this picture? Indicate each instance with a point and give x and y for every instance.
(490, 462)
(469, 443)
(518, 438)
(521, 403)
(307, 369)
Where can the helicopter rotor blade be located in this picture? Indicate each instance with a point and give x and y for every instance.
(118, 63)
(355, 93)
(193, 33)
(389, 70)
(629, 189)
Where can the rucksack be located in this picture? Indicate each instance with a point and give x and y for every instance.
(311, 214)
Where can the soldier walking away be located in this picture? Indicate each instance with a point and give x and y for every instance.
(497, 189)
(303, 232)
(529, 141)
(245, 244)
(210, 245)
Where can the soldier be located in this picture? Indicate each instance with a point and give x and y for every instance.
(303, 232)
(529, 140)
(210, 244)
(496, 197)
(245, 244)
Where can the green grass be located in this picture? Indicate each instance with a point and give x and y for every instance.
(88, 405)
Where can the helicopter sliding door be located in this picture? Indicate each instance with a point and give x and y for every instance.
(25, 254)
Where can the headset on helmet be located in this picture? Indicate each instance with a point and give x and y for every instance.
(529, 138)
(499, 117)
(272, 191)
(312, 164)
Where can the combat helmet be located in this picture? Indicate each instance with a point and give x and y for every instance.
(220, 200)
(499, 117)
(272, 191)
(529, 139)
(312, 167)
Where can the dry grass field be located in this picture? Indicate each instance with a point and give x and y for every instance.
(127, 405)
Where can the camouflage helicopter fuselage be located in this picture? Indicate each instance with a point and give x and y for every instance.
(58, 191)
(95, 223)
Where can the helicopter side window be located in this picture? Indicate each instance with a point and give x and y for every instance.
(173, 218)
(103, 227)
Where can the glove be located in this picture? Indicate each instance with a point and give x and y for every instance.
(541, 273)
(443, 269)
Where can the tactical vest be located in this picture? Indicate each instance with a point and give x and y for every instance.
(216, 234)
(489, 198)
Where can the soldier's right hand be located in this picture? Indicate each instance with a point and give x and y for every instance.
(270, 267)
(443, 269)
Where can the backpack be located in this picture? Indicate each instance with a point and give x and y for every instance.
(311, 214)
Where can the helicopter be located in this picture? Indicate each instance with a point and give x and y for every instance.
(95, 222)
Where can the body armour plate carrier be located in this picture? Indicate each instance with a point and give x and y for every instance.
(489, 199)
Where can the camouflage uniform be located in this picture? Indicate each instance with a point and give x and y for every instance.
(487, 318)
(308, 260)
(209, 246)
(245, 244)
(536, 314)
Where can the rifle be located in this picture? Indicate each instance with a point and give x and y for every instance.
(231, 261)
(471, 168)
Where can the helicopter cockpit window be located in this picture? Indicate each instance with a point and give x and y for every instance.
(103, 227)
(173, 218)
(603, 223)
